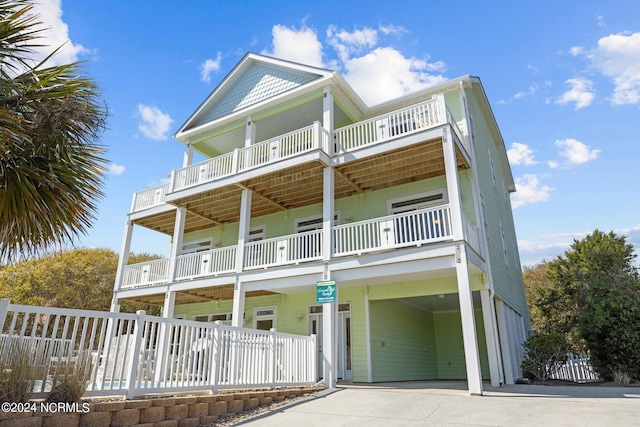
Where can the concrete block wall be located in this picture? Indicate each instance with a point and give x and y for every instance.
(189, 411)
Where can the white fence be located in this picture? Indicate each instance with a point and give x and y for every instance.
(576, 368)
(133, 354)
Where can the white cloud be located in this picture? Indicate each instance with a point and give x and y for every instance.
(114, 169)
(56, 35)
(529, 191)
(154, 123)
(617, 56)
(296, 45)
(575, 151)
(385, 73)
(581, 93)
(520, 154)
(209, 66)
(396, 30)
(377, 74)
(532, 89)
(553, 164)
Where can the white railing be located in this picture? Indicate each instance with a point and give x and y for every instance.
(283, 250)
(150, 197)
(146, 273)
(471, 234)
(576, 368)
(133, 354)
(393, 231)
(382, 128)
(207, 171)
(282, 147)
(206, 263)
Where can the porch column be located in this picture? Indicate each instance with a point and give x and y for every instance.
(327, 212)
(123, 259)
(490, 332)
(187, 159)
(330, 340)
(243, 228)
(504, 343)
(176, 241)
(328, 115)
(453, 184)
(249, 133)
(469, 337)
(237, 317)
(169, 304)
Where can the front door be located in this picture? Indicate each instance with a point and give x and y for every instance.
(344, 338)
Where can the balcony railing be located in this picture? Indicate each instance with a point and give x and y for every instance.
(393, 231)
(413, 228)
(292, 249)
(403, 122)
(206, 263)
(282, 147)
(149, 198)
(146, 274)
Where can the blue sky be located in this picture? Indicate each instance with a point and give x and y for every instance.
(563, 79)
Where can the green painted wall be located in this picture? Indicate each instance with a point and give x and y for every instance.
(402, 342)
(450, 348)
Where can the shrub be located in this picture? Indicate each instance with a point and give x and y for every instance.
(17, 372)
(72, 380)
(544, 353)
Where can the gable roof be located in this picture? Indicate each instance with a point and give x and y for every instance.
(255, 79)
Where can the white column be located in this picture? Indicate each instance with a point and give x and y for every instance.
(187, 159)
(330, 341)
(453, 184)
(237, 317)
(367, 335)
(123, 259)
(469, 337)
(488, 318)
(177, 241)
(504, 343)
(328, 115)
(243, 228)
(328, 213)
(169, 304)
(250, 133)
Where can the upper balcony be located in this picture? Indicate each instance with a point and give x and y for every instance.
(294, 149)
(393, 232)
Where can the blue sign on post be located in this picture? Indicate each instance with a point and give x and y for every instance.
(326, 291)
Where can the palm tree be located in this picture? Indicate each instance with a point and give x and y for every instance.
(51, 164)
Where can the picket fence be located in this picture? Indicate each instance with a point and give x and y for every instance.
(135, 354)
(576, 368)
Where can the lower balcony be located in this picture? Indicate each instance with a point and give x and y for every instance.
(410, 229)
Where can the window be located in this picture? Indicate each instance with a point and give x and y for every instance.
(254, 252)
(310, 246)
(225, 318)
(420, 226)
(197, 245)
(313, 222)
(264, 318)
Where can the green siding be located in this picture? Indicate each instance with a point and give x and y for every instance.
(450, 346)
(402, 342)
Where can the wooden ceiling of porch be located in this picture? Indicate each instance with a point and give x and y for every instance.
(214, 293)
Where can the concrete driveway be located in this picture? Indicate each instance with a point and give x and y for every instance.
(447, 403)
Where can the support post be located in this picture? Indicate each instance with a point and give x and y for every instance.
(469, 337)
(504, 343)
(243, 228)
(176, 242)
(327, 212)
(187, 159)
(488, 318)
(328, 117)
(453, 184)
(237, 316)
(123, 258)
(330, 340)
(132, 381)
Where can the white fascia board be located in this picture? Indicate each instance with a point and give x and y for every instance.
(151, 211)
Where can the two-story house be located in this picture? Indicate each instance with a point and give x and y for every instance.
(404, 205)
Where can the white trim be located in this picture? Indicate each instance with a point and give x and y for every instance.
(367, 335)
(417, 205)
(208, 240)
(273, 316)
(316, 220)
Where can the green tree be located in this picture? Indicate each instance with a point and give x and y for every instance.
(536, 286)
(51, 166)
(79, 278)
(560, 297)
